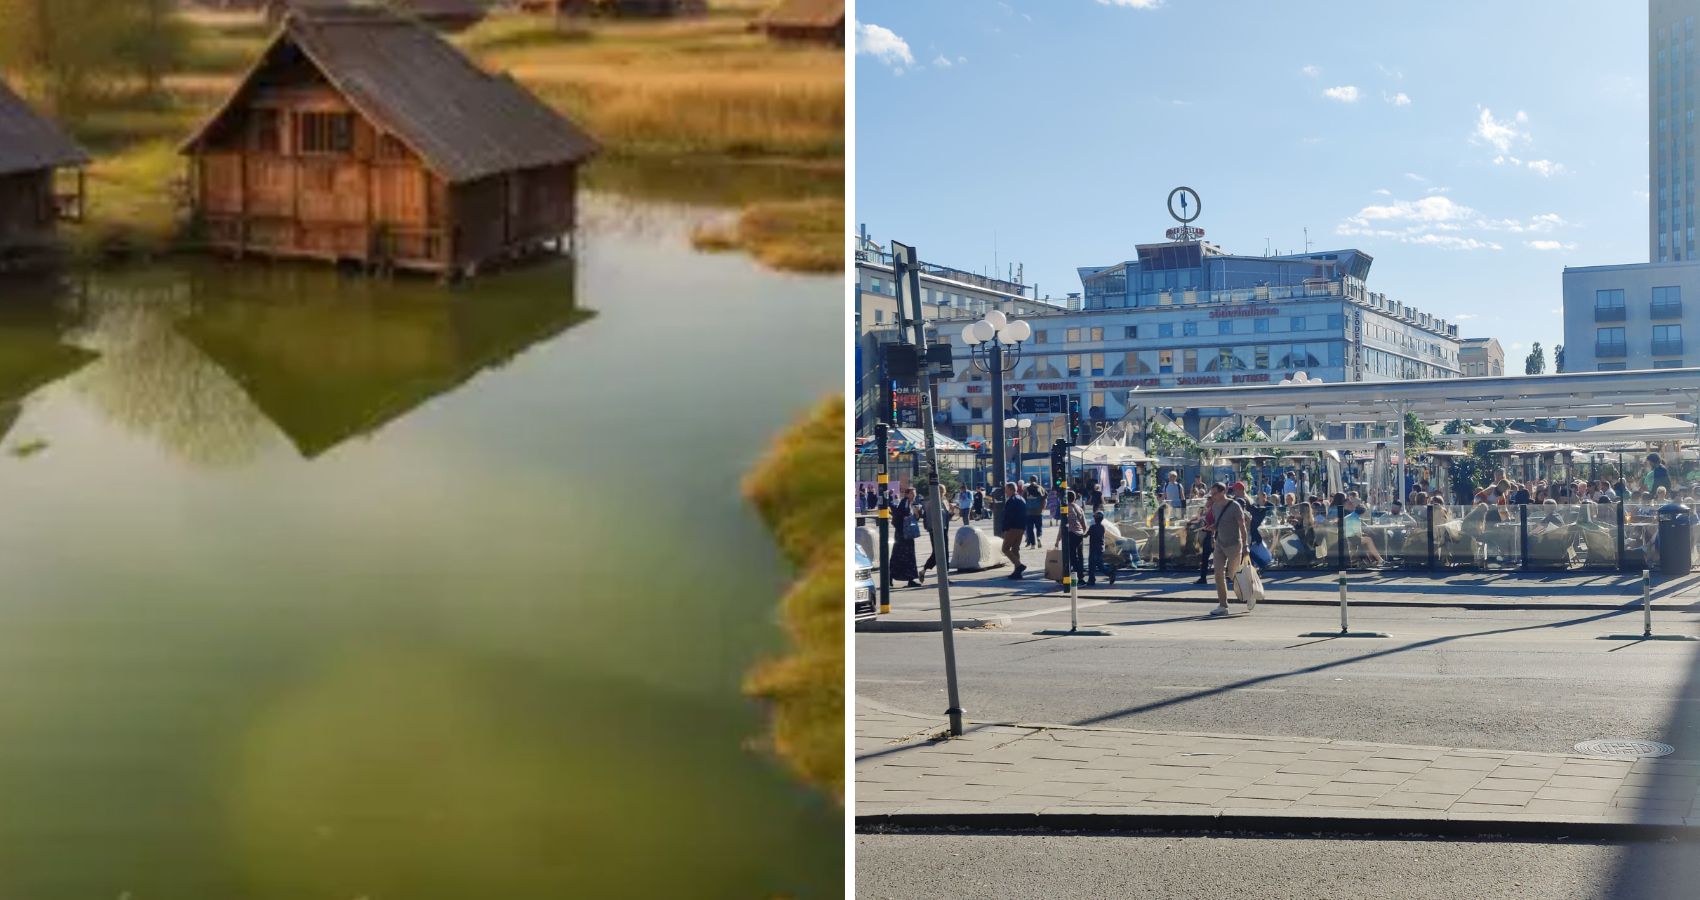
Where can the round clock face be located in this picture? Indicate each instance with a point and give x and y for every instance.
(1184, 204)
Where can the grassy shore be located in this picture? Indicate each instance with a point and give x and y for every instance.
(707, 90)
(796, 488)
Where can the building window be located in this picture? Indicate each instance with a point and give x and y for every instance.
(1189, 329)
(1226, 326)
(1097, 334)
(1189, 360)
(879, 317)
(1613, 367)
(1260, 326)
(1165, 361)
(1336, 321)
(1667, 363)
(1130, 332)
(1074, 365)
(391, 149)
(1225, 361)
(1165, 329)
(875, 282)
(325, 133)
(1298, 323)
(1038, 336)
(268, 135)
(1260, 357)
(1074, 335)
(1667, 339)
(1098, 364)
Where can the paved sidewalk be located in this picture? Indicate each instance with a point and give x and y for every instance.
(1046, 776)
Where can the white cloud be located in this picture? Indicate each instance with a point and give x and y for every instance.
(1312, 71)
(1384, 192)
(1399, 99)
(1501, 135)
(941, 62)
(1546, 168)
(1549, 245)
(1132, 4)
(1394, 74)
(1345, 93)
(1436, 220)
(884, 45)
(1415, 177)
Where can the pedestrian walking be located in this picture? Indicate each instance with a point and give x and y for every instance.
(1034, 495)
(965, 503)
(908, 527)
(1095, 556)
(1073, 525)
(979, 504)
(1013, 528)
(1206, 523)
(1232, 527)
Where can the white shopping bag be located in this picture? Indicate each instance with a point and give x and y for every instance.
(1248, 587)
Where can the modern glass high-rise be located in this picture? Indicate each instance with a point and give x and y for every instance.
(1670, 123)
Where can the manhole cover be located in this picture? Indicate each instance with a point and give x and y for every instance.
(1624, 749)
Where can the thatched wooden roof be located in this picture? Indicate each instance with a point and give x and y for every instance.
(29, 141)
(465, 123)
(807, 13)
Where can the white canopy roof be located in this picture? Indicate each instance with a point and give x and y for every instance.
(1646, 392)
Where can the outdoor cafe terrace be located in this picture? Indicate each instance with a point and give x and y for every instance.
(1571, 532)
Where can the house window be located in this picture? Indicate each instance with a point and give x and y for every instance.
(1074, 335)
(1097, 334)
(391, 149)
(1097, 364)
(1189, 329)
(1038, 336)
(1189, 360)
(1666, 333)
(325, 133)
(268, 136)
(1165, 361)
(1130, 332)
(1074, 365)
(1609, 299)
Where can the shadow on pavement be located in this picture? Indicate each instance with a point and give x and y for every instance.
(1669, 872)
(1323, 667)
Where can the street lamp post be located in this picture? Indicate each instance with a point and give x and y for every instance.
(995, 344)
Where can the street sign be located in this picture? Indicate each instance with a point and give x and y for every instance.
(1040, 404)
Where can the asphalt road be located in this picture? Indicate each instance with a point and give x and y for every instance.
(1056, 867)
(1495, 679)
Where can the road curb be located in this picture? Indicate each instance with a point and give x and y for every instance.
(1458, 825)
(910, 626)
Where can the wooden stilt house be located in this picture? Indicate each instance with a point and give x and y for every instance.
(363, 136)
(819, 21)
(33, 151)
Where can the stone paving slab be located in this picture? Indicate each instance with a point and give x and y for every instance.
(906, 772)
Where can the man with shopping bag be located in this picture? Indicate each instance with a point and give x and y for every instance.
(1230, 555)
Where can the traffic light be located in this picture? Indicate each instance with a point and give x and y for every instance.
(1059, 463)
(1074, 434)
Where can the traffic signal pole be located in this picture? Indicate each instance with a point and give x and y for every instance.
(906, 278)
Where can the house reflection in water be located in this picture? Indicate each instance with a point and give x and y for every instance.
(32, 354)
(208, 356)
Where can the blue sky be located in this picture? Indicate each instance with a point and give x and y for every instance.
(1473, 148)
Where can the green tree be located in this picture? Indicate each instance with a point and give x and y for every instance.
(1536, 363)
(71, 53)
(1558, 359)
(1416, 433)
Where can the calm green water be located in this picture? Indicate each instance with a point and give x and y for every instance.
(316, 587)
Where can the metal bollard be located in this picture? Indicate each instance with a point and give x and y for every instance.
(1647, 618)
(1345, 628)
